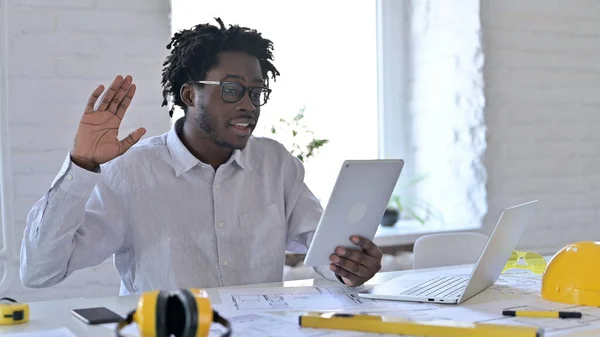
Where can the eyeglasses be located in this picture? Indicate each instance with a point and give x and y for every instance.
(232, 92)
(533, 261)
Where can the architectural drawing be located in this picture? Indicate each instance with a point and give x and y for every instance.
(305, 298)
(291, 298)
(263, 325)
(518, 282)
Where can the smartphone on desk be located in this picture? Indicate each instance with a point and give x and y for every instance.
(97, 315)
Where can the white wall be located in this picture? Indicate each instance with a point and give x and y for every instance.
(542, 75)
(59, 51)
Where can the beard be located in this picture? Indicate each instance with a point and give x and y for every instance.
(208, 125)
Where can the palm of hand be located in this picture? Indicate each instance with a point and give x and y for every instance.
(96, 139)
(98, 131)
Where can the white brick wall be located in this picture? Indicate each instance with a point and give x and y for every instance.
(533, 127)
(543, 111)
(59, 51)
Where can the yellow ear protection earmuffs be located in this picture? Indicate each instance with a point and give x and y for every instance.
(179, 313)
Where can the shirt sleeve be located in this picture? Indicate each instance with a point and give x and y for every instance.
(78, 223)
(303, 211)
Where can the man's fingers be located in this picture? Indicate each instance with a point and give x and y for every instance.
(89, 108)
(354, 279)
(120, 95)
(130, 140)
(351, 266)
(356, 256)
(356, 265)
(110, 93)
(368, 246)
(125, 103)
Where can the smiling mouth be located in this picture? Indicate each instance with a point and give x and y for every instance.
(243, 128)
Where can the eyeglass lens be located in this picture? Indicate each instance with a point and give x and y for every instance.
(233, 92)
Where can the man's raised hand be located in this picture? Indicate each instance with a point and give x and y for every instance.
(96, 139)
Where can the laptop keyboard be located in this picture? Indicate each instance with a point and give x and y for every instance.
(446, 286)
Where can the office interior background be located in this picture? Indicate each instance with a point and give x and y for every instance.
(492, 103)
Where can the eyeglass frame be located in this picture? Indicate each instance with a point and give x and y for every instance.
(244, 90)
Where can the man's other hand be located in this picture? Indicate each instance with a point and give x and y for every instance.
(356, 266)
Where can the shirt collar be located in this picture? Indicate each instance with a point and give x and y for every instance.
(184, 160)
(241, 157)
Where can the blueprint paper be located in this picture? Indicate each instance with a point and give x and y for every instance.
(518, 282)
(272, 325)
(316, 298)
(491, 312)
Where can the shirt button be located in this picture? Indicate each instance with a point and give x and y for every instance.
(225, 263)
(69, 177)
(217, 186)
(221, 224)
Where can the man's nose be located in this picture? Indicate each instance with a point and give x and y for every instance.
(246, 103)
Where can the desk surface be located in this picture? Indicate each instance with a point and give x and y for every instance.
(45, 315)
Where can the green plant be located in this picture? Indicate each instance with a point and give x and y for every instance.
(304, 144)
(417, 208)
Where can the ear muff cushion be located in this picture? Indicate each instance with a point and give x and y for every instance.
(181, 313)
(162, 314)
(191, 317)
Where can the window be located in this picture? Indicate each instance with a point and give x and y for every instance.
(328, 65)
(377, 78)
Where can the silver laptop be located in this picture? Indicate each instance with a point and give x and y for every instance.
(456, 289)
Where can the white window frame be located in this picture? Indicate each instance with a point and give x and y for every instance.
(395, 125)
(395, 121)
(8, 252)
(393, 55)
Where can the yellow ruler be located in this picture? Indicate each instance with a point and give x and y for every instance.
(396, 325)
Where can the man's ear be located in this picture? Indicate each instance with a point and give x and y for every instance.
(188, 94)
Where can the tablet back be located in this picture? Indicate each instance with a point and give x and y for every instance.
(360, 195)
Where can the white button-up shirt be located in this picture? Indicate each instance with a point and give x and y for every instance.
(172, 221)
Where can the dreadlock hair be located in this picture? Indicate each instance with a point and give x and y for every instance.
(195, 52)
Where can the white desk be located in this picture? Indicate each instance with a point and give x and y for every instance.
(47, 315)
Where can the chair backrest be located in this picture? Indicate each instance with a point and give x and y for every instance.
(446, 249)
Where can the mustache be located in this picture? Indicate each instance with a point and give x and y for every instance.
(253, 118)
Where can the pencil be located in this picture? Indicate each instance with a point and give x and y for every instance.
(542, 314)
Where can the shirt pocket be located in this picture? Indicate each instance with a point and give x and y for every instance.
(263, 237)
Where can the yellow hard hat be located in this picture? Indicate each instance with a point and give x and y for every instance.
(573, 275)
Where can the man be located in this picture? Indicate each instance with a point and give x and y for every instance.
(204, 205)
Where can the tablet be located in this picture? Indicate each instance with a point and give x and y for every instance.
(359, 198)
